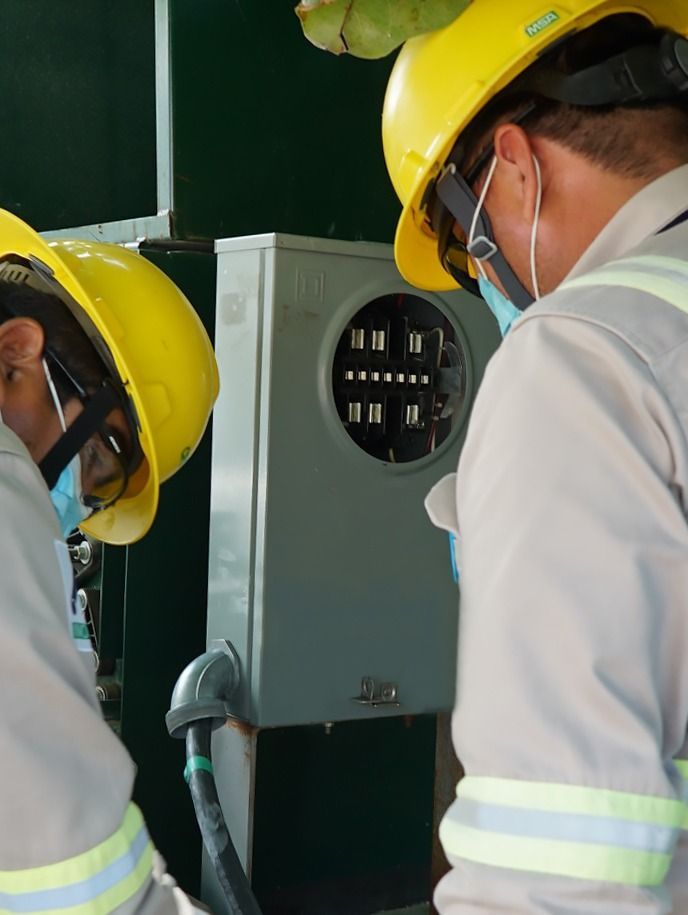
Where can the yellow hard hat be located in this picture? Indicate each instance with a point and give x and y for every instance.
(157, 345)
(442, 80)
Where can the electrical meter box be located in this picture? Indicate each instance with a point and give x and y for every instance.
(344, 397)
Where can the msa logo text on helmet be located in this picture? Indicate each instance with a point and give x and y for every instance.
(544, 22)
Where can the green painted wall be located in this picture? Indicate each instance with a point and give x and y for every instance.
(165, 619)
(272, 134)
(343, 817)
(78, 110)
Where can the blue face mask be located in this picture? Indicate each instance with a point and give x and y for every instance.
(502, 308)
(66, 496)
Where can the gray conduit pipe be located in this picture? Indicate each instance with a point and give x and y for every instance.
(200, 704)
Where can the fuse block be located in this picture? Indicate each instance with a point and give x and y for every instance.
(399, 378)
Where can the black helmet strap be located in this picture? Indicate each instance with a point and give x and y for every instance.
(458, 199)
(642, 74)
(97, 408)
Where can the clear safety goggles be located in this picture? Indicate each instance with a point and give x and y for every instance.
(112, 454)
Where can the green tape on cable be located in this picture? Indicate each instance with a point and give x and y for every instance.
(195, 763)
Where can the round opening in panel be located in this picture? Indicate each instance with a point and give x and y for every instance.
(399, 378)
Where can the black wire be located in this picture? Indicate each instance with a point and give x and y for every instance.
(174, 245)
(216, 838)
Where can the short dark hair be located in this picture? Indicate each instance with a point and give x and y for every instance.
(633, 141)
(63, 335)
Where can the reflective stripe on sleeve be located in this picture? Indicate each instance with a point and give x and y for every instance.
(682, 767)
(564, 830)
(92, 883)
(663, 277)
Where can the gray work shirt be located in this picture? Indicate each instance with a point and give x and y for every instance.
(66, 778)
(571, 503)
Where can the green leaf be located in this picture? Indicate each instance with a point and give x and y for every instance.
(373, 28)
(322, 22)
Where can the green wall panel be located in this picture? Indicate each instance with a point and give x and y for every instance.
(271, 134)
(78, 110)
(343, 817)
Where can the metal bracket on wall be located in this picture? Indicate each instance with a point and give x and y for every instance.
(387, 694)
(163, 106)
(158, 226)
(122, 231)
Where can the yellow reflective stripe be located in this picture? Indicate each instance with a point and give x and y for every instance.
(566, 859)
(674, 293)
(81, 867)
(569, 830)
(101, 879)
(636, 273)
(682, 766)
(572, 799)
(653, 262)
(109, 900)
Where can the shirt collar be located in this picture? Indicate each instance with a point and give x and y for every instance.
(653, 208)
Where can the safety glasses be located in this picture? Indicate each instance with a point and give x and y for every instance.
(452, 208)
(111, 455)
(452, 216)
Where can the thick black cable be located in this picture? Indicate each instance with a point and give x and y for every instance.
(216, 838)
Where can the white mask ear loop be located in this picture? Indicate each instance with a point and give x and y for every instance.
(478, 209)
(533, 237)
(53, 394)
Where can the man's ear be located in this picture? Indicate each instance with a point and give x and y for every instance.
(514, 149)
(21, 342)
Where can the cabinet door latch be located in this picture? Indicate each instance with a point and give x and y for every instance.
(374, 694)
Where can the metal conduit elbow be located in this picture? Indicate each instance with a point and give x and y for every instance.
(204, 690)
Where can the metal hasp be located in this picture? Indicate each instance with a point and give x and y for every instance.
(387, 694)
(204, 690)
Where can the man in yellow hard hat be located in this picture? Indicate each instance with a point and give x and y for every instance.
(540, 153)
(107, 380)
